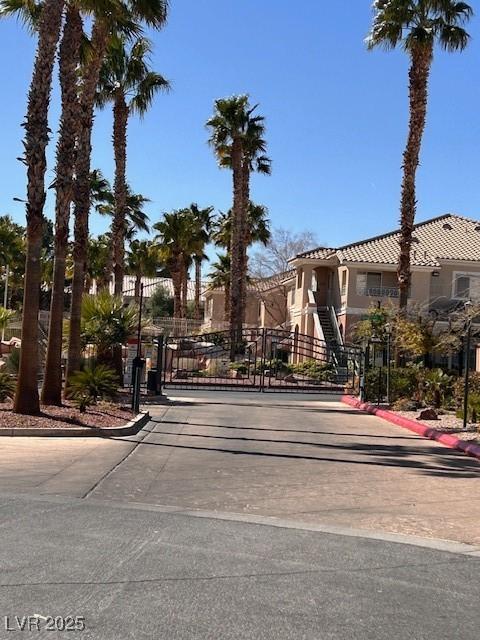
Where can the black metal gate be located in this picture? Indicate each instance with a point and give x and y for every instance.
(274, 360)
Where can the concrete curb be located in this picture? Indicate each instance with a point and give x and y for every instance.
(469, 448)
(129, 429)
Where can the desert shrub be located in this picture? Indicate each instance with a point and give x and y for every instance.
(322, 371)
(87, 386)
(473, 412)
(404, 404)
(7, 386)
(12, 362)
(438, 386)
(241, 367)
(275, 364)
(403, 383)
(459, 386)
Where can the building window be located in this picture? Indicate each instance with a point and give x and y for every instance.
(209, 308)
(368, 281)
(466, 287)
(299, 278)
(344, 282)
(292, 297)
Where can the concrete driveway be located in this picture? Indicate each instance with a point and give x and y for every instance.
(303, 458)
(294, 457)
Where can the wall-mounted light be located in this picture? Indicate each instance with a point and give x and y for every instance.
(435, 274)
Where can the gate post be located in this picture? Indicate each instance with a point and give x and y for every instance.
(263, 359)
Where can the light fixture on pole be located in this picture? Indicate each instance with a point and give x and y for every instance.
(468, 337)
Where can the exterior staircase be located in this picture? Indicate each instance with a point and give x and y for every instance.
(327, 327)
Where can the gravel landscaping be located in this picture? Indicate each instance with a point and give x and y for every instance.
(446, 423)
(103, 415)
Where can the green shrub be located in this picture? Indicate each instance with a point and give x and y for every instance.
(275, 364)
(459, 386)
(403, 383)
(321, 371)
(240, 367)
(7, 386)
(12, 362)
(89, 385)
(438, 386)
(473, 412)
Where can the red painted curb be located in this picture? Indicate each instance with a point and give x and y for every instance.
(453, 442)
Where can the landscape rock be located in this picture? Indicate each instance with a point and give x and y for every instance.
(428, 414)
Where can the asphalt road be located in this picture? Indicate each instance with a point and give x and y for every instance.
(241, 516)
(139, 573)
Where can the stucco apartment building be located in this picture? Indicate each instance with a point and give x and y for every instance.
(328, 290)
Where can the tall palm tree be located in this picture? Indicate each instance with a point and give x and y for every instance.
(254, 160)
(219, 278)
(69, 60)
(49, 15)
(113, 15)
(202, 222)
(142, 261)
(126, 81)
(233, 127)
(174, 241)
(416, 25)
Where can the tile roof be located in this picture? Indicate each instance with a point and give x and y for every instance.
(264, 284)
(321, 253)
(447, 237)
(150, 285)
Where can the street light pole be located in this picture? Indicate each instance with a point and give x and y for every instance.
(388, 331)
(5, 297)
(468, 337)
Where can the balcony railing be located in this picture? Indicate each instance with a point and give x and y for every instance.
(379, 292)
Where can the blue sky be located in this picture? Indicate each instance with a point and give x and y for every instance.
(336, 117)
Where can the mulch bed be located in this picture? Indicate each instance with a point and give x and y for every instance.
(103, 415)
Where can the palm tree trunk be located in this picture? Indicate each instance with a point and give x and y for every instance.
(120, 122)
(183, 313)
(68, 63)
(198, 281)
(419, 75)
(138, 283)
(236, 249)
(35, 143)
(82, 191)
(245, 205)
(226, 312)
(177, 278)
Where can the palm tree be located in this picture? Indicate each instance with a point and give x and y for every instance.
(127, 81)
(254, 160)
(113, 16)
(174, 240)
(258, 227)
(98, 260)
(202, 221)
(219, 278)
(47, 20)
(135, 215)
(69, 60)
(416, 25)
(233, 129)
(142, 261)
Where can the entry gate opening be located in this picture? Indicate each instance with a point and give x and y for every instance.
(274, 360)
